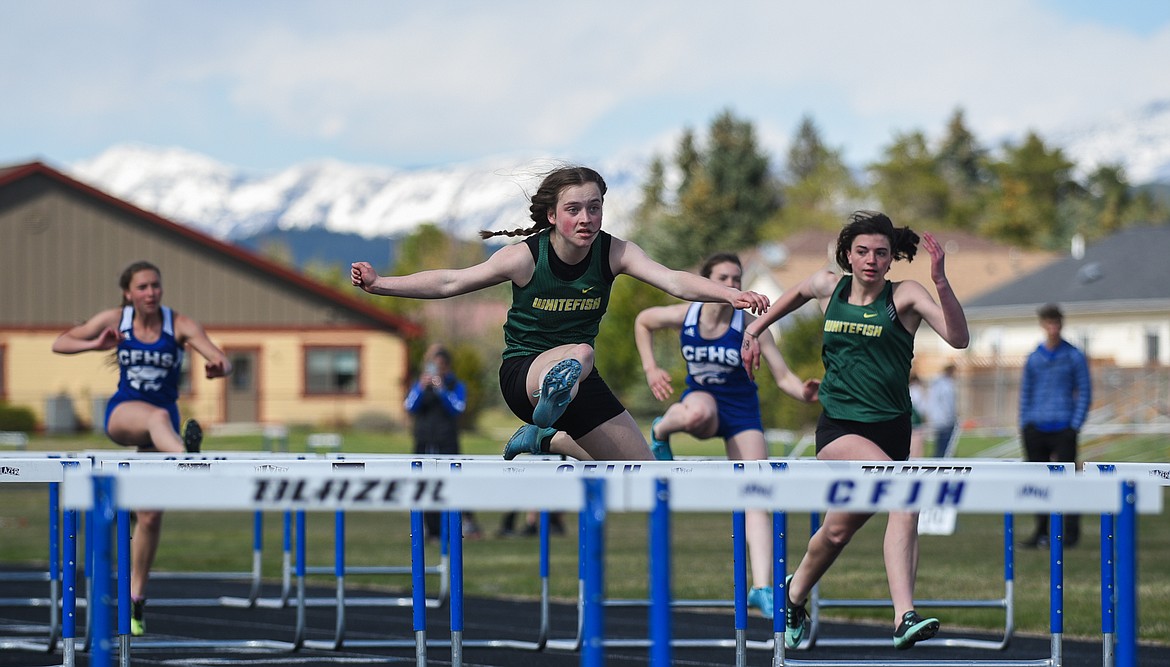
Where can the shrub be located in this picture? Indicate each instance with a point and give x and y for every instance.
(17, 418)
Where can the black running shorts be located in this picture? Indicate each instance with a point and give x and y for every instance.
(594, 405)
(892, 436)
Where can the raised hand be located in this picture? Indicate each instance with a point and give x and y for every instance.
(937, 257)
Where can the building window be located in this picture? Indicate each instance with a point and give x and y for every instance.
(331, 370)
(241, 377)
(1153, 351)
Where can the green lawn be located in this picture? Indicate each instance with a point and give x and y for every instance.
(968, 564)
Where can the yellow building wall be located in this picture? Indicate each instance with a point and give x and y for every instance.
(34, 375)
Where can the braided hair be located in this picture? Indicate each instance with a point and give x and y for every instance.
(545, 198)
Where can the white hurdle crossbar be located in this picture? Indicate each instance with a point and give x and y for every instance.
(62, 571)
(705, 492)
(921, 468)
(276, 466)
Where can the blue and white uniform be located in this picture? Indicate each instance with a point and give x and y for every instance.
(148, 372)
(715, 366)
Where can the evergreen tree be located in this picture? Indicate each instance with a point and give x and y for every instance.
(908, 183)
(964, 165)
(817, 190)
(724, 196)
(1032, 183)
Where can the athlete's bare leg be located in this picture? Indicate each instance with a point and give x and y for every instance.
(147, 427)
(900, 548)
(697, 414)
(617, 439)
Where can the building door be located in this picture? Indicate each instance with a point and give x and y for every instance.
(242, 393)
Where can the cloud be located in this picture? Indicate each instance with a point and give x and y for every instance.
(405, 83)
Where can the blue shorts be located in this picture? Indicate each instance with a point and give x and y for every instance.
(118, 398)
(736, 413)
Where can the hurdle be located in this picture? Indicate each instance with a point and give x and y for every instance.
(737, 639)
(358, 489)
(985, 494)
(953, 468)
(710, 492)
(1116, 569)
(62, 593)
(253, 577)
(277, 467)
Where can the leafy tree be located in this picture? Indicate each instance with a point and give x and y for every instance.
(964, 165)
(278, 251)
(909, 183)
(1032, 181)
(617, 358)
(725, 194)
(817, 188)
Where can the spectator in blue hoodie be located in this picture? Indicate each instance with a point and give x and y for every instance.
(1055, 393)
(436, 402)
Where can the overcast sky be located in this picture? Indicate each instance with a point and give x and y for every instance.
(266, 84)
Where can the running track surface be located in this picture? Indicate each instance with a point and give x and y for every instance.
(484, 618)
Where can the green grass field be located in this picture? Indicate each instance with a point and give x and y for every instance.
(968, 564)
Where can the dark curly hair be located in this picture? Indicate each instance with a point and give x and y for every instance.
(903, 240)
(545, 197)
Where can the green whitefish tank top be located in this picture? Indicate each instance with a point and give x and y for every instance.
(549, 311)
(867, 355)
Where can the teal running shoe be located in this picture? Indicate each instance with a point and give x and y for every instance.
(795, 619)
(760, 597)
(526, 440)
(914, 629)
(660, 448)
(555, 392)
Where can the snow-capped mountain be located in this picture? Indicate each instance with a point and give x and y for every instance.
(1139, 140)
(233, 204)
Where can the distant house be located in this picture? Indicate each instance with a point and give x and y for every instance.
(303, 352)
(1116, 300)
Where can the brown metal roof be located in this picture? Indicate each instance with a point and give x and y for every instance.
(278, 273)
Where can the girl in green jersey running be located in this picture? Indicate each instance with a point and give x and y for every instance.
(868, 345)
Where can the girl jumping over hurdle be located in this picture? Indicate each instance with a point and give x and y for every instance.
(561, 277)
(720, 399)
(868, 344)
(148, 339)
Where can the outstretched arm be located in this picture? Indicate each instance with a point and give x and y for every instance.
(626, 257)
(512, 262)
(817, 286)
(645, 324)
(97, 334)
